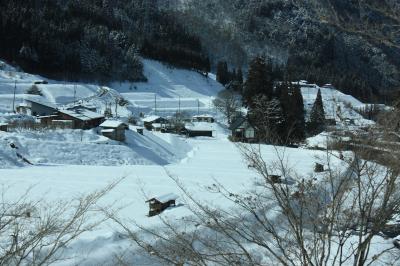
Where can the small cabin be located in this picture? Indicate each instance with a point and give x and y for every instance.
(3, 127)
(114, 130)
(159, 204)
(154, 122)
(242, 130)
(318, 168)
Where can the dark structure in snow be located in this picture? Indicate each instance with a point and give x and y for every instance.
(3, 127)
(159, 204)
(154, 122)
(114, 130)
(242, 130)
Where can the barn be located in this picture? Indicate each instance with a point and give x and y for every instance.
(114, 129)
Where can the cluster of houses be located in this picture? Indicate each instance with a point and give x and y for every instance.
(84, 116)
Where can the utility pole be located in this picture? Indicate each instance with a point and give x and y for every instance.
(179, 105)
(116, 107)
(155, 104)
(74, 93)
(15, 89)
(198, 107)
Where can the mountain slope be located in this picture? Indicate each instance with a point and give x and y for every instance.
(345, 42)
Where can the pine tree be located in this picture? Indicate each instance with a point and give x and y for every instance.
(239, 76)
(317, 116)
(223, 73)
(259, 81)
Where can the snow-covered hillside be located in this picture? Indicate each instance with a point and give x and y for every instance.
(337, 105)
(71, 162)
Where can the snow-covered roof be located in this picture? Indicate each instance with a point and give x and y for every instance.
(200, 126)
(42, 102)
(150, 118)
(203, 116)
(108, 130)
(165, 198)
(3, 124)
(112, 123)
(82, 114)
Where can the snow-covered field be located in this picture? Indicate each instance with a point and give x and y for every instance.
(71, 162)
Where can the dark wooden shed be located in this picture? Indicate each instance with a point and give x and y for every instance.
(159, 204)
(3, 127)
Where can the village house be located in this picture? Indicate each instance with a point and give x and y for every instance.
(36, 107)
(4, 127)
(159, 204)
(82, 118)
(114, 130)
(154, 122)
(242, 130)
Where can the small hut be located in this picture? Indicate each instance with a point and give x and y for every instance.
(113, 129)
(159, 204)
(3, 127)
(318, 168)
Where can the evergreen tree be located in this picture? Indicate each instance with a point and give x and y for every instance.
(317, 116)
(259, 81)
(223, 73)
(239, 76)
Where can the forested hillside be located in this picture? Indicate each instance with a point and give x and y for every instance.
(353, 44)
(92, 39)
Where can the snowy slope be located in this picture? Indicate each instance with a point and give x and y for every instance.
(337, 105)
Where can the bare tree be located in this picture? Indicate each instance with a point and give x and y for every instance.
(288, 218)
(36, 232)
(229, 103)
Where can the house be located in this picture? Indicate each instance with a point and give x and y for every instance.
(203, 118)
(199, 129)
(36, 107)
(3, 127)
(159, 204)
(154, 122)
(242, 130)
(114, 129)
(82, 118)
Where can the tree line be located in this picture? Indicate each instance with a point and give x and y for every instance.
(93, 39)
(274, 103)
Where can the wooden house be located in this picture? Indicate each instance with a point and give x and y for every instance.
(159, 204)
(242, 130)
(82, 118)
(114, 130)
(154, 122)
(4, 127)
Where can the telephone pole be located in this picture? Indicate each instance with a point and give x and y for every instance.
(155, 104)
(15, 89)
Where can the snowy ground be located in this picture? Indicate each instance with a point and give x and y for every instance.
(71, 162)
